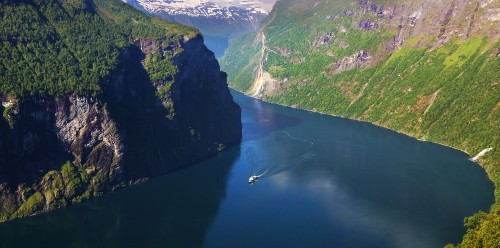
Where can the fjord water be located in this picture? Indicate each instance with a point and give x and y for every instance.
(358, 186)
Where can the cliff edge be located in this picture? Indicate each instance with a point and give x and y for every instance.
(131, 98)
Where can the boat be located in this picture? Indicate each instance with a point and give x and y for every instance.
(253, 179)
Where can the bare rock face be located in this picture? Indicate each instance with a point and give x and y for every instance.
(367, 25)
(324, 40)
(354, 61)
(57, 151)
(428, 19)
(45, 134)
(439, 19)
(202, 94)
(195, 118)
(87, 131)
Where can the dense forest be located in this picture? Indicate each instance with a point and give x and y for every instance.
(65, 54)
(55, 47)
(416, 68)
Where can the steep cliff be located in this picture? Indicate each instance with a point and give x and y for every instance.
(219, 21)
(155, 102)
(425, 68)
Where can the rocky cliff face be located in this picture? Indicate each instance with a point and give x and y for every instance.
(219, 21)
(356, 34)
(354, 61)
(203, 98)
(56, 151)
(40, 136)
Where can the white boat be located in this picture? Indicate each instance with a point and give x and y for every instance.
(253, 179)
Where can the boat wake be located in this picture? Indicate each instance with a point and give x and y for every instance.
(293, 151)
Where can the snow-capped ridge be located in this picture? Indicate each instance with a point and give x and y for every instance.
(220, 9)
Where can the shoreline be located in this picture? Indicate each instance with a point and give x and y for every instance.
(368, 122)
(477, 162)
(488, 174)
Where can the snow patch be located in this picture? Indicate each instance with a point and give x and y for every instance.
(223, 9)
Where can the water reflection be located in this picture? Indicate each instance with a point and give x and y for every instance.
(172, 211)
(289, 152)
(260, 121)
(366, 187)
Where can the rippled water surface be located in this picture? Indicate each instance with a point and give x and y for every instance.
(325, 182)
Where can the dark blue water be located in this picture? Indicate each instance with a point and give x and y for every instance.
(332, 183)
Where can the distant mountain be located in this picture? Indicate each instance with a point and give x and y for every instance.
(195, 8)
(218, 20)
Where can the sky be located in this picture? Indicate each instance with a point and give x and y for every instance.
(266, 4)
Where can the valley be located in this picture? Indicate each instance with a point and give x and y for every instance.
(353, 123)
(348, 180)
(426, 69)
(219, 21)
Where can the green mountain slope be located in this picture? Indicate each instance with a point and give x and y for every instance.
(59, 47)
(428, 69)
(95, 96)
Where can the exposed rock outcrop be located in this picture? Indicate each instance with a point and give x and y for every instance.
(43, 135)
(324, 40)
(354, 61)
(367, 24)
(66, 149)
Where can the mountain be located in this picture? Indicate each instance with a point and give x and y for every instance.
(425, 68)
(96, 96)
(244, 10)
(218, 20)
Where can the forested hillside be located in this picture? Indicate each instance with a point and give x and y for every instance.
(427, 69)
(60, 47)
(95, 96)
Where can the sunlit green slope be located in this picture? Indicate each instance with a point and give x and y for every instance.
(428, 69)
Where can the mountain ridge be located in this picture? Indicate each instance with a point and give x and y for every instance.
(196, 8)
(219, 21)
(243, 15)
